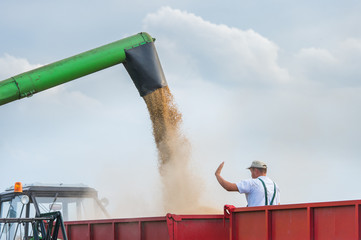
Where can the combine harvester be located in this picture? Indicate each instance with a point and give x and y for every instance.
(37, 211)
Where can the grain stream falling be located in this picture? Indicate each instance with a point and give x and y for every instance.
(181, 190)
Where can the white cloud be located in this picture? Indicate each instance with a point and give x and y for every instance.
(335, 67)
(235, 56)
(10, 65)
(352, 45)
(316, 56)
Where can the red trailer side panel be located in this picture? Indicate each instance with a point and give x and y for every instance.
(253, 225)
(171, 227)
(186, 227)
(78, 232)
(118, 229)
(154, 230)
(289, 223)
(98, 231)
(126, 230)
(334, 223)
(321, 221)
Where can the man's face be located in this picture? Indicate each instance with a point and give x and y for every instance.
(254, 172)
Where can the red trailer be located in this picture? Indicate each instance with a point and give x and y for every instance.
(170, 227)
(311, 221)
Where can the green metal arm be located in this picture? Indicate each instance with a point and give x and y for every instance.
(29, 83)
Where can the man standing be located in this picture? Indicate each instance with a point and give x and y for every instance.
(259, 190)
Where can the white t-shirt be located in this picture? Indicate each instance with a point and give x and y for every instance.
(254, 191)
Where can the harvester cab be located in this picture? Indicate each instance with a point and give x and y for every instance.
(23, 206)
(75, 201)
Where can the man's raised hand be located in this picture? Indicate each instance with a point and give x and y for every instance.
(219, 169)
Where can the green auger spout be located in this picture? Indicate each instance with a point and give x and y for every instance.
(136, 52)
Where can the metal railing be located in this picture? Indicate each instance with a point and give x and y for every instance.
(46, 227)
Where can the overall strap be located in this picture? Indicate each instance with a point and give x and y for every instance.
(274, 193)
(265, 192)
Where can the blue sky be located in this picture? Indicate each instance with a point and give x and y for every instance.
(277, 81)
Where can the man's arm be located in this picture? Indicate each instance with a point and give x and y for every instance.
(224, 183)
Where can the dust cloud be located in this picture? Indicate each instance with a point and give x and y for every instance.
(182, 189)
